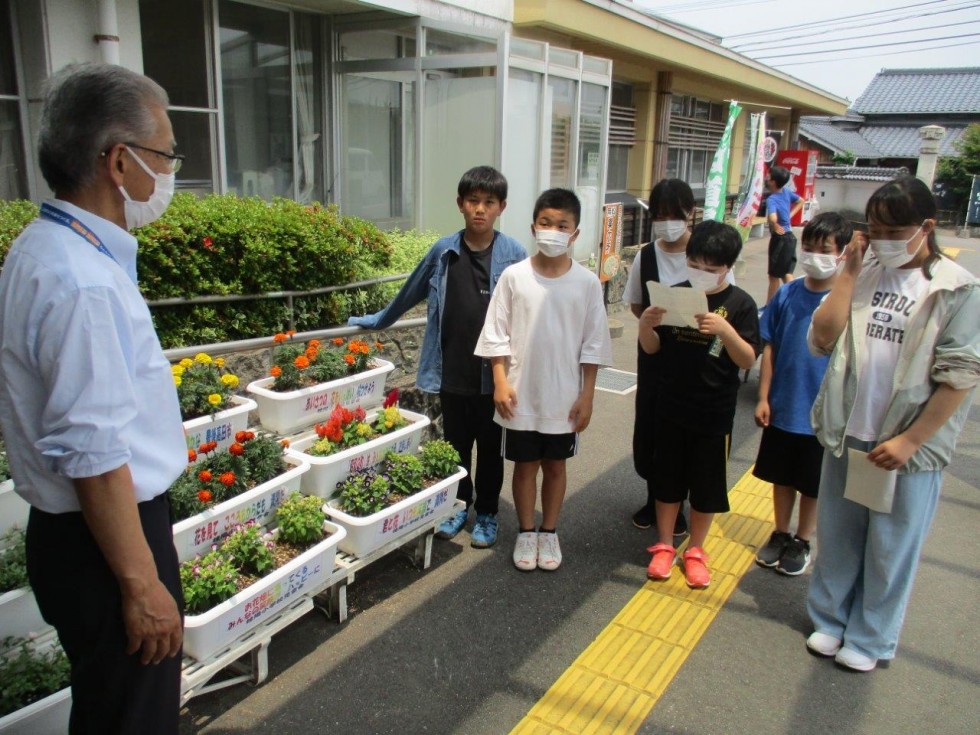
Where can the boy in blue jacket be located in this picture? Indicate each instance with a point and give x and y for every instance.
(457, 277)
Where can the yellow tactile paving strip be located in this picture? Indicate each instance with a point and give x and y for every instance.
(953, 253)
(612, 686)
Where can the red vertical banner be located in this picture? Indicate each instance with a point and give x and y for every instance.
(612, 240)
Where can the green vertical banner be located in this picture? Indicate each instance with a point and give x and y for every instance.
(717, 184)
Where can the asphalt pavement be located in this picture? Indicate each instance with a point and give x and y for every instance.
(471, 644)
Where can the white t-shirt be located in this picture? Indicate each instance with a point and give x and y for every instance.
(548, 327)
(672, 268)
(894, 298)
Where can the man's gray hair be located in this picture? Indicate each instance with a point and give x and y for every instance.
(88, 108)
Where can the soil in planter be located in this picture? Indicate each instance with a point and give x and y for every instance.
(283, 553)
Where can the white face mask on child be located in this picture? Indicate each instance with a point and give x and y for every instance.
(703, 280)
(819, 266)
(670, 230)
(552, 243)
(895, 253)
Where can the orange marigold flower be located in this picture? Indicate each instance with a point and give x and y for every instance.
(205, 496)
(311, 353)
(212, 445)
(276, 371)
(191, 455)
(365, 349)
(313, 343)
(227, 479)
(249, 435)
(285, 443)
(203, 448)
(349, 359)
(237, 449)
(302, 362)
(338, 340)
(290, 332)
(241, 436)
(279, 338)
(378, 346)
(205, 476)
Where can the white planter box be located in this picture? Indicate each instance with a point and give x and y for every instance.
(195, 535)
(13, 508)
(368, 533)
(326, 472)
(19, 615)
(209, 632)
(288, 412)
(220, 427)
(48, 716)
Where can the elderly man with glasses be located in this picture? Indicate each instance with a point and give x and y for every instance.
(87, 401)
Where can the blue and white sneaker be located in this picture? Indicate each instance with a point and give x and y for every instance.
(484, 531)
(452, 525)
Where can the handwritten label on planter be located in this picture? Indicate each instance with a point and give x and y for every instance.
(269, 600)
(412, 515)
(261, 511)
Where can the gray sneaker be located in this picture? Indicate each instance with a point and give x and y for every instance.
(768, 555)
(795, 558)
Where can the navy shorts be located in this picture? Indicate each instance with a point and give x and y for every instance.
(533, 446)
(782, 254)
(789, 459)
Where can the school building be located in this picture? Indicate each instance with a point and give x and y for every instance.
(379, 105)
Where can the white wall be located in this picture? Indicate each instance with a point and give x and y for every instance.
(837, 194)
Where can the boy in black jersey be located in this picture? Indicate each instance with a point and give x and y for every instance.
(696, 410)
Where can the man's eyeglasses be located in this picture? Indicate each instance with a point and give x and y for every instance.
(175, 159)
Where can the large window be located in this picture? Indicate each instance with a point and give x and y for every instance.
(622, 136)
(696, 126)
(13, 170)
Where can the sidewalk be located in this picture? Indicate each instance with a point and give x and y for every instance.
(471, 645)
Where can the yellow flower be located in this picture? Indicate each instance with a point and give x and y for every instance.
(219, 361)
(389, 424)
(186, 362)
(215, 399)
(203, 358)
(230, 380)
(363, 429)
(177, 369)
(177, 380)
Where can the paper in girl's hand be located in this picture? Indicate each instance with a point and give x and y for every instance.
(867, 484)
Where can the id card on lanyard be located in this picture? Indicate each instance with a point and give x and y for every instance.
(54, 214)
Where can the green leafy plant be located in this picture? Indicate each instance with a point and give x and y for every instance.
(404, 472)
(13, 560)
(4, 465)
(300, 519)
(249, 549)
(439, 459)
(207, 581)
(204, 386)
(28, 675)
(364, 493)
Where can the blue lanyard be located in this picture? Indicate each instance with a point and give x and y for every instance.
(63, 218)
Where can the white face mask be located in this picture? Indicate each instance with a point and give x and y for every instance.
(552, 243)
(670, 230)
(819, 265)
(895, 253)
(702, 280)
(143, 213)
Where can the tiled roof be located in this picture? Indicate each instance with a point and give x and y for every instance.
(903, 142)
(921, 91)
(840, 141)
(860, 173)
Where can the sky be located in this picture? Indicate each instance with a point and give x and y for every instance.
(919, 34)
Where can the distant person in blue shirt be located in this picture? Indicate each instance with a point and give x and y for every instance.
(789, 379)
(781, 206)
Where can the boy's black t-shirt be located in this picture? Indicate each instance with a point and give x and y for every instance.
(698, 390)
(465, 309)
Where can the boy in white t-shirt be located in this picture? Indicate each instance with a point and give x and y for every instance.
(546, 335)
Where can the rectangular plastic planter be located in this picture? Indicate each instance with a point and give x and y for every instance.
(290, 411)
(209, 632)
(220, 427)
(326, 472)
(19, 615)
(13, 508)
(48, 716)
(195, 535)
(365, 534)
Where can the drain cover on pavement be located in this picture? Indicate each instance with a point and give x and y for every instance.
(615, 381)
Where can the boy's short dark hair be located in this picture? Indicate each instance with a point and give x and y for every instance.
(780, 175)
(826, 225)
(672, 197)
(483, 178)
(715, 243)
(562, 199)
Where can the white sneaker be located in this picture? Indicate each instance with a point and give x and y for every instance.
(549, 552)
(823, 644)
(851, 659)
(526, 551)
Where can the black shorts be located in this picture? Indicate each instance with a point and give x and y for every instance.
(691, 465)
(789, 459)
(782, 254)
(533, 446)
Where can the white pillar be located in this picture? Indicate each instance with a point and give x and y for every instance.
(108, 35)
(932, 136)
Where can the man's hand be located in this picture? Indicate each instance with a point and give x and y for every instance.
(581, 413)
(504, 399)
(762, 414)
(152, 621)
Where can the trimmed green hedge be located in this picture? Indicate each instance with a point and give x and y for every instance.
(220, 245)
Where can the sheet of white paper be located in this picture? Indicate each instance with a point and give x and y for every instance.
(868, 484)
(681, 304)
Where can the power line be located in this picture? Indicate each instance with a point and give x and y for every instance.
(743, 47)
(852, 38)
(877, 45)
(878, 53)
(799, 26)
(708, 5)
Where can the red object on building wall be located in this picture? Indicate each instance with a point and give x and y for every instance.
(802, 166)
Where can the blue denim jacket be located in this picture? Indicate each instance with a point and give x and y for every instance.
(428, 281)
